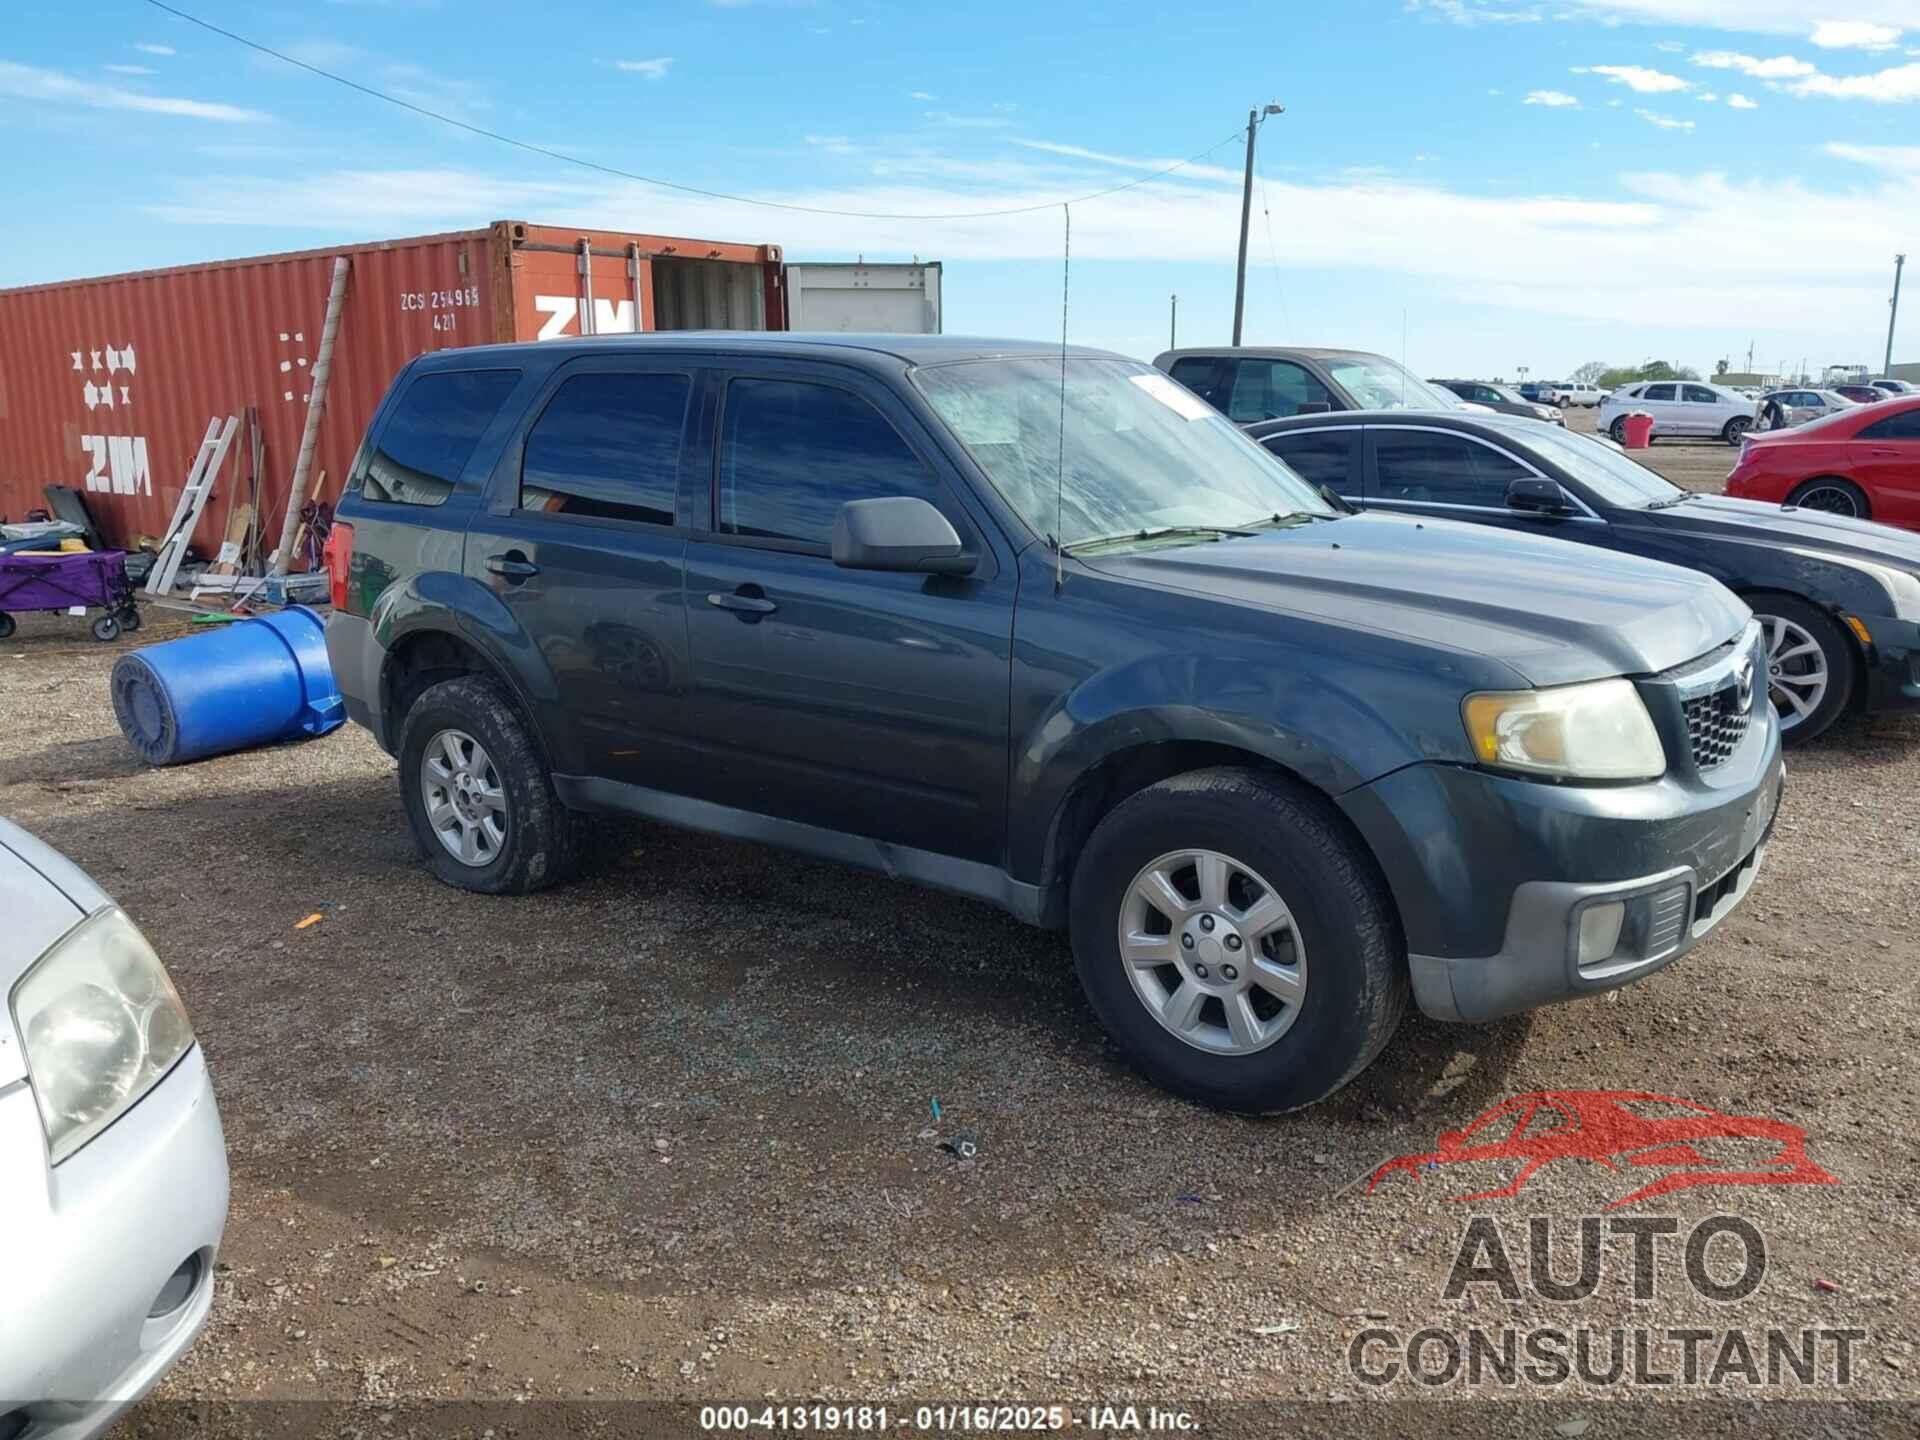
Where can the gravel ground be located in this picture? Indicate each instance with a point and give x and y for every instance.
(668, 1133)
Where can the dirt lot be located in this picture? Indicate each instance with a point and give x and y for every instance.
(668, 1134)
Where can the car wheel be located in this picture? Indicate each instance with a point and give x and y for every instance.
(1831, 494)
(1736, 428)
(478, 796)
(105, 627)
(1617, 432)
(1237, 943)
(1810, 665)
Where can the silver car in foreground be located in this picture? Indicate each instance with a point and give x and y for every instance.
(113, 1170)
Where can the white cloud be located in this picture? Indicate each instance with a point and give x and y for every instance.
(1854, 35)
(1707, 97)
(1133, 162)
(1669, 47)
(968, 122)
(651, 69)
(1467, 12)
(1557, 99)
(1897, 159)
(129, 69)
(1665, 122)
(832, 144)
(1637, 78)
(1885, 87)
(1780, 67)
(919, 95)
(26, 82)
(156, 49)
(1741, 102)
(1768, 17)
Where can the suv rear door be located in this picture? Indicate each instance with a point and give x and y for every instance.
(869, 702)
(581, 543)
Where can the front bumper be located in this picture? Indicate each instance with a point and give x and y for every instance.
(1492, 875)
(90, 1246)
(1893, 666)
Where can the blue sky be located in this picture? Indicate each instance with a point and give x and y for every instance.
(1483, 184)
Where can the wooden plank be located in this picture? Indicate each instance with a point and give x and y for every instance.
(233, 548)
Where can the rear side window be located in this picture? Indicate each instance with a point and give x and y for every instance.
(1426, 467)
(1904, 426)
(1657, 392)
(608, 446)
(1202, 376)
(430, 434)
(1320, 457)
(793, 452)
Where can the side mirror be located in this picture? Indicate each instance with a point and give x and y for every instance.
(898, 532)
(1313, 407)
(1536, 495)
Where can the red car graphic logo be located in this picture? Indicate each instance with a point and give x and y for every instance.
(1615, 1128)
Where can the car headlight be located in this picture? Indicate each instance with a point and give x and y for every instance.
(1596, 731)
(100, 1024)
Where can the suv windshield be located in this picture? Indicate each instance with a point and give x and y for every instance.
(1143, 453)
(1377, 383)
(1602, 469)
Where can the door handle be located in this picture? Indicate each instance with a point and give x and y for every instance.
(746, 606)
(513, 565)
(1884, 454)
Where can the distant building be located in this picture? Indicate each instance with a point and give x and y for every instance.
(1908, 373)
(1749, 380)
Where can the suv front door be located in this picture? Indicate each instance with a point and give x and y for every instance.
(870, 702)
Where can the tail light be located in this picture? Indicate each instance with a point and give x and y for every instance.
(339, 557)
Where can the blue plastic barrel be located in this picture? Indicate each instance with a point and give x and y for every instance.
(252, 682)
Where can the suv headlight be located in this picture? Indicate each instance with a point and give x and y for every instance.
(1596, 731)
(100, 1024)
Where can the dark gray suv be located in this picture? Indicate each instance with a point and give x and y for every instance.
(1273, 764)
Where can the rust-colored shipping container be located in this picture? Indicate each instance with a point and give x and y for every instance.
(107, 384)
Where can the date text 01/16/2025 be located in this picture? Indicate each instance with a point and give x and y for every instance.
(943, 1419)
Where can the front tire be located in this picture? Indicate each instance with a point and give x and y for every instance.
(1811, 667)
(1315, 985)
(481, 804)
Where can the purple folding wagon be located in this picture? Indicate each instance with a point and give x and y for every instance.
(70, 583)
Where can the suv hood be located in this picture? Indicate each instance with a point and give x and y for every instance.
(1838, 536)
(1551, 610)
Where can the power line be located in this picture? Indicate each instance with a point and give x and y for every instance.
(618, 173)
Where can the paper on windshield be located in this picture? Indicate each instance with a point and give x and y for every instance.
(1177, 398)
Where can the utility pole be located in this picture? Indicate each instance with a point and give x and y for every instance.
(1254, 117)
(1899, 264)
(1173, 323)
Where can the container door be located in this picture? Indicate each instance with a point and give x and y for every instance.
(581, 544)
(708, 294)
(866, 702)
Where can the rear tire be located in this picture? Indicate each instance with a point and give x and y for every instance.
(1736, 428)
(1617, 432)
(1832, 495)
(1339, 941)
(1822, 683)
(539, 841)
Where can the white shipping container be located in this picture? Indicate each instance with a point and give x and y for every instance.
(885, 299)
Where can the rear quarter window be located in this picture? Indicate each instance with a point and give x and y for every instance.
(430, 435)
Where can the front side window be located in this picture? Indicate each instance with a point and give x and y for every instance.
(1612, 476)
(1428, 467)
(1142, 453)
(1273, 390)
(1700, 395)
(608, 446)
(792, 452)
(1377, 383)
(431, 433)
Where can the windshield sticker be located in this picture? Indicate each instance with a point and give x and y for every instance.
(1177, 398)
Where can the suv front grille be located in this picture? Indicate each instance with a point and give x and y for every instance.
(1715, 725)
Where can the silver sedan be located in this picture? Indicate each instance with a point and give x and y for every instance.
(113, 1170)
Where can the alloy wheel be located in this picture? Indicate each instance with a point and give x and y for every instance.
(466, 804)
(1832, 499)
(1797, 677)
(1213, 952)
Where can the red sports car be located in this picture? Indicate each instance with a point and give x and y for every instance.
(1864, 461)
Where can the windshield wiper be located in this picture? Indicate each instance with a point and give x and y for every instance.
(1287, 519)
(1671, 501)
(1124, 537)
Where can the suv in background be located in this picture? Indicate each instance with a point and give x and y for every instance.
(1800, 404)
(1679, 408)
(1272, 764)
(1262, 382)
